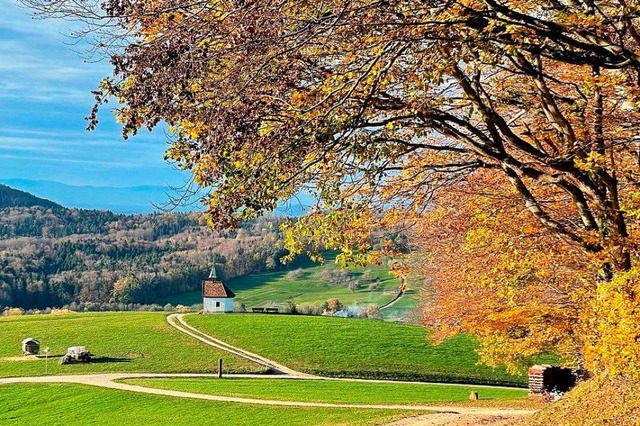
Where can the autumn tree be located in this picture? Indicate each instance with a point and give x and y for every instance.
(126, 289)
(375, 104)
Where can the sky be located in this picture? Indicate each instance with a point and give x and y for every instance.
(45, 87)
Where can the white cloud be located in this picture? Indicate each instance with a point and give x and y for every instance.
(44, 95)
(40, 159)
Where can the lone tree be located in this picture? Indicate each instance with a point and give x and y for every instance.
(374, 105)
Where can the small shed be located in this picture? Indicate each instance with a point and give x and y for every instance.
(217, 297)
(30, 346)
(548, 378)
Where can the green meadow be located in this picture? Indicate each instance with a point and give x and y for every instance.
(342, 347)
(64, 405)
(122, 342)
(332, 391)
(311, 287)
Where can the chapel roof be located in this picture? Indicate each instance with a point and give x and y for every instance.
(214, 287)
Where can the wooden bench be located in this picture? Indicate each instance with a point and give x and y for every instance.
(272, 310)
(257, 309)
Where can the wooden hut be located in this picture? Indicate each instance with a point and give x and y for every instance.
(30, 346)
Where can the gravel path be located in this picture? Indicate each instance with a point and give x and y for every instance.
(110, 381)
(447, 415)
(177, 321)
(393, 301)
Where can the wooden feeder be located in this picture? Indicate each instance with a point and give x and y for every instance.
(30, 346)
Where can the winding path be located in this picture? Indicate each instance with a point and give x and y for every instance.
(112, 381)
(393, 301)
(177, 321)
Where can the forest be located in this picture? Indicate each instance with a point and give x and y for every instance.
(51, 257)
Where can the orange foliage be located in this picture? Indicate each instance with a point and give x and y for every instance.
(496, 272)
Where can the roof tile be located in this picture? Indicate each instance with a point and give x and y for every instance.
(216, 288)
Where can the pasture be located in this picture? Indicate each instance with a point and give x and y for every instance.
(311, 287)
(67, 404)
(122, 342)
(338, 347)
(333, 391)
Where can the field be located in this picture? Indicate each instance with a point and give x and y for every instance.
(144, 342)
(354, 348)
(124, 342)
(311, 287)
(331, 391)
(81, 405)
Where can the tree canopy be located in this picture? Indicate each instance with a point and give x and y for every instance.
(378, 105)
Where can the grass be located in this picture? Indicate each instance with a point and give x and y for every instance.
(124, 342)
(354, 348)
(331, 391)
(595, 402)
(403, 308)
(80, 405)
(269, 288)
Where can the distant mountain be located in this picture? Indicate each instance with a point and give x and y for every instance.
(129, 200)
(10, 197)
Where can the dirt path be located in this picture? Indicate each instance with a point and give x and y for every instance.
(177, 321)
(447, 415)
(109, 381)
(454, 419)
(393, 301)
(20, 358)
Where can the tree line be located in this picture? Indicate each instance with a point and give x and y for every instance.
(54, 257)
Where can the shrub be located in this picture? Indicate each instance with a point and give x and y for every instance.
(367, 275)
(9, 312)
(289, 307)
(294, 275)
(332, 306)
(310, 309)
(336, 276)
(373, 311)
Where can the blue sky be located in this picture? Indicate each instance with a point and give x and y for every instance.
(44, 96)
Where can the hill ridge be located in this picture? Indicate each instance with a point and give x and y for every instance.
(11, 197)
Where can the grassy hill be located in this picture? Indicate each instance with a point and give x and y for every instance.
(123, 342)
(336, 392)
(143, 342)
(82, 405)
(354, 348)
(312, 285)
(10, 197)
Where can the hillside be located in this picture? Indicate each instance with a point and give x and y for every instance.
(82, 405)
(337, 347)
(56, 257)
(10, 197)
(121, 341)
(129, 200)
(89, 259)
(311, 285)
